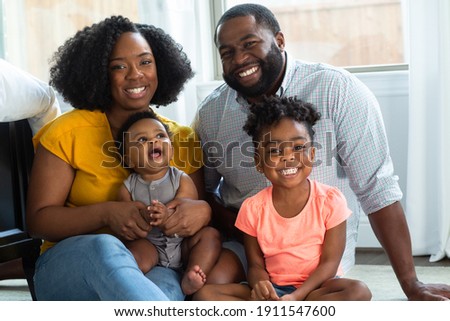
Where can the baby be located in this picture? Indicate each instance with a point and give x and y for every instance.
(147, 150)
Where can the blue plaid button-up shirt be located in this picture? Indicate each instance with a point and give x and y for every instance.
(352, 149)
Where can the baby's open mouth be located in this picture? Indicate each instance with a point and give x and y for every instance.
(155, 153)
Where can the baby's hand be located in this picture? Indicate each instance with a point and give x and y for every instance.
(158, 213)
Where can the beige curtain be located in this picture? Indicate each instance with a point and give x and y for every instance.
(188, 22)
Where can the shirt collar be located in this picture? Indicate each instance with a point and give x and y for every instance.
(290, 67)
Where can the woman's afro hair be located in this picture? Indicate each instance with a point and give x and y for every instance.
(79, 68)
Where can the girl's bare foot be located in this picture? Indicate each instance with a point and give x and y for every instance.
(193, 280)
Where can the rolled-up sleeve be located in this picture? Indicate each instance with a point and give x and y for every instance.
(364, 148)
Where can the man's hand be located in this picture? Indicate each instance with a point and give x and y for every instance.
(419, 291)
(390, 227)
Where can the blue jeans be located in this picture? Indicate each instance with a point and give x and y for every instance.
(100, 267)
(283, 289)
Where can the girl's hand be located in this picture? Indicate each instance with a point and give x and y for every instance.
(264, 291)
(288, 297)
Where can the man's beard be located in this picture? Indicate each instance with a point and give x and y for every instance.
(271, 67)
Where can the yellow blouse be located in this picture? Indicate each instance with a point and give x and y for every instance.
(83, 139)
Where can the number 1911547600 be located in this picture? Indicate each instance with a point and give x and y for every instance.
(293, 310)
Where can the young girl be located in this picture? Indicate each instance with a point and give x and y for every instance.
(294, 230)
(147, 150)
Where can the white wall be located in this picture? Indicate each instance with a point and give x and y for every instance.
(392, 91)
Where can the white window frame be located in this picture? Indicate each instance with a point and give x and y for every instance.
(2, 32)
(218, 8)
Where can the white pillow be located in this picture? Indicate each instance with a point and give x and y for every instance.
(23, 96)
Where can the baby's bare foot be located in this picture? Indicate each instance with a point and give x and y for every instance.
(193, 280)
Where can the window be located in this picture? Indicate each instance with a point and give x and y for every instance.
(32, 30)
(339, 32)
(345, 33)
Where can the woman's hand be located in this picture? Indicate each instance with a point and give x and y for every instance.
(188, 218)
(49, 218)
(126, 222)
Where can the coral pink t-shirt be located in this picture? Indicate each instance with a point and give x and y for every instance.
(292, 246)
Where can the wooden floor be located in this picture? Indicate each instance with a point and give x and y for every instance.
(378, 257)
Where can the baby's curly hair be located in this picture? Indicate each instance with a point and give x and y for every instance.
(134, 118)
(272, 109)
(79, 68)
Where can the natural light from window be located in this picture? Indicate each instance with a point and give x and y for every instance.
(345, 33)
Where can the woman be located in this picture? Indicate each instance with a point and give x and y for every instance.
(107, 72)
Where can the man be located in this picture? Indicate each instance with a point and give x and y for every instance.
(352, 149)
